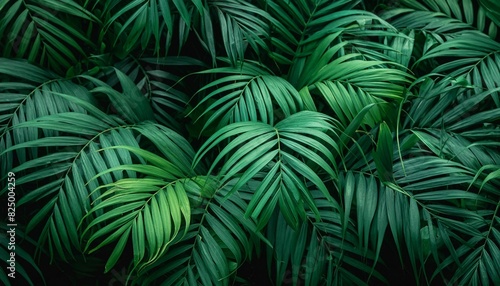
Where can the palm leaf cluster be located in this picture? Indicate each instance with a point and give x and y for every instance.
(185, 140)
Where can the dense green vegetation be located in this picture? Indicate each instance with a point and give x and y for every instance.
(207, 142)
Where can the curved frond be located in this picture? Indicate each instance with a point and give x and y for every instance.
(242, 24)
(278, 150)
(478, 66)
(16, 252)
(215, 245)
(28, 30)
(26, 97)
(445, 17)
(74, 161)
(245, 95)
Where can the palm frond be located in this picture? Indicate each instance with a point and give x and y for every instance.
(299, 25)
(445, 17)
(24, 263)
(216, 243)
(26, 97)
(477, 67)
(137, 24)
(479, 264)
(75, 160)
(321, 252)
(139, 201)
(348, 84)
(247, 94)
(264, 147)
(242, 24)
(30, 31)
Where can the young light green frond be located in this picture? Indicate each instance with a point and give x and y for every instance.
(220, 240)
(153, 212)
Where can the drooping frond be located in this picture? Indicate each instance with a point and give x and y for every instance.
(30, 31)
(219, 239)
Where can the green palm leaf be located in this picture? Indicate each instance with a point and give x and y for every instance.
(247, 94)
(26, 97)
(241, 24)
(263, 147)
(30, 31)
(67, 198)
(327, 254)
(213, 247)
(446, 17)
(328, 134)
(478, 67)
(24, 262)
(139, 203)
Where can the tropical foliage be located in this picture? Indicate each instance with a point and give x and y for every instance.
(182, 142)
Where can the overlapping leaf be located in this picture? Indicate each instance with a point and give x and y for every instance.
(131, 104)
(24, 262)
(446, 17)
(321, 252)
(241, 24)
(219, 240)
(287, 151)
(27, 96)
(28, 30)
(75, 161)
(478, 66)
(248, 94)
